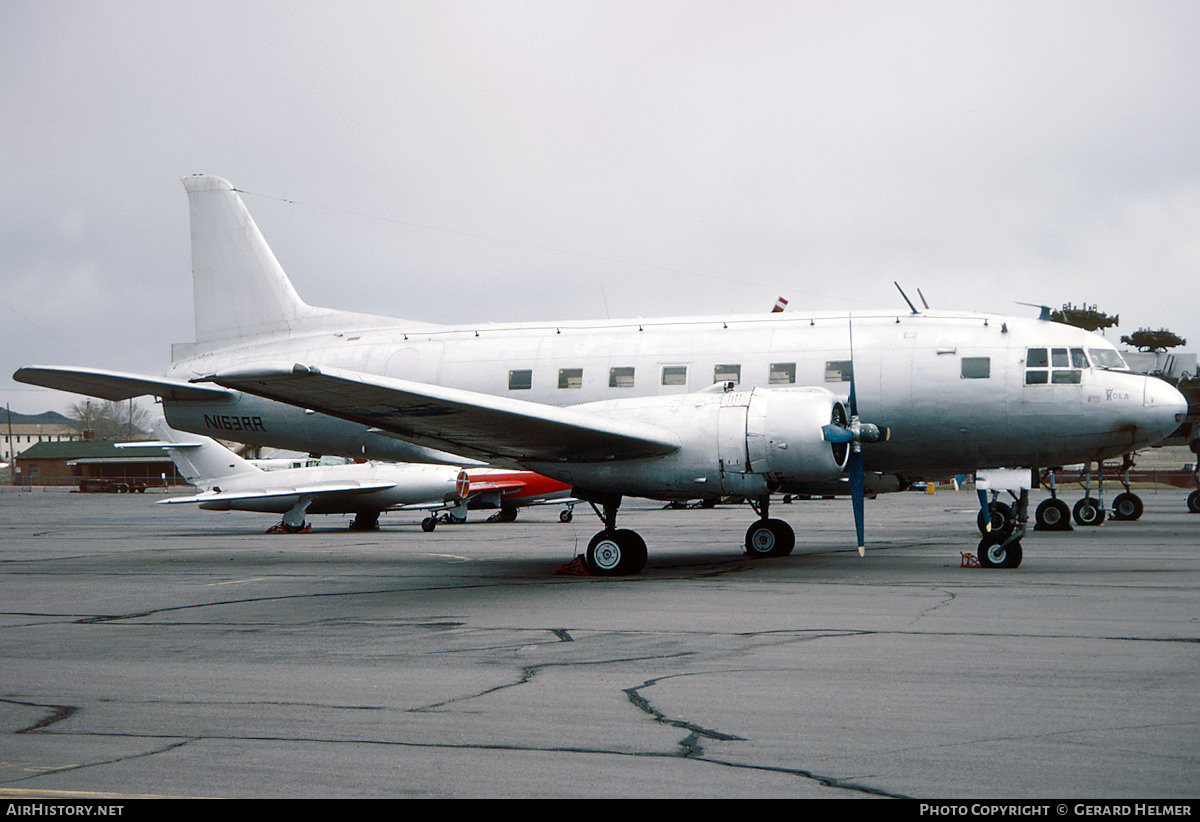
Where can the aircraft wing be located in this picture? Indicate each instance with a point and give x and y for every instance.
(462, 422)
(314, 490)
(114, 385)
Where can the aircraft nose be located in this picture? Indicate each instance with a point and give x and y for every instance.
(1167, 406)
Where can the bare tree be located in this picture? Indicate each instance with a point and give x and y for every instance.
(110, 420)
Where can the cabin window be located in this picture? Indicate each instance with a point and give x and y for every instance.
(620, 377)
(1033, 377)
(976, 368)
(674, 375)
(570, 378)
(782, 373)
(838, 371)
(1036, 358)
(727, 373)
(520, 379)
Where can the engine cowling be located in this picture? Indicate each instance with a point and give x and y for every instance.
(746, 443)
(784, 440)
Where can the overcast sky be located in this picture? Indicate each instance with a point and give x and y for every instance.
(495, 161)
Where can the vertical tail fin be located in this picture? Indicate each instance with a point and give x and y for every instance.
(239, 287)
(200, 460)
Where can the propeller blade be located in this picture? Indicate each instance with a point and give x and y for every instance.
(857, 494)
(987, 509)
(836, 433)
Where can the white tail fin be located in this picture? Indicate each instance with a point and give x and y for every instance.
(241, 292)
(200, 460)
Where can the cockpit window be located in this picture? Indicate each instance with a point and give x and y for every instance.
(1107, 358)
(1054, 366)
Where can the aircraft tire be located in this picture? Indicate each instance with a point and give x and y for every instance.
(565, 516)
(507, 514)
(1127, 507)
(1052, 515)
(769, 538)
(616, 553)
(992, 554)
(1194, 502)
(428, 524)
(1002, 519)
(1087, 512)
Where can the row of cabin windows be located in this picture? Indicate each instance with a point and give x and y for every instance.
(780, 373)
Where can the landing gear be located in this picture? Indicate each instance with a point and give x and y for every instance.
(365, 521)
(1001, 547)
(1088, 512)
(996, 551)
(1194, 502)
(614, 551)
(293, 519)
(567, 514)
(1052, 515)
(428, 524)
(1127, 505)
(620, 552)
(506, 514)
(1000, 519)
(768, 537)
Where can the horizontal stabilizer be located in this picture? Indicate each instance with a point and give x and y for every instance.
(115, 385)
(461, 422)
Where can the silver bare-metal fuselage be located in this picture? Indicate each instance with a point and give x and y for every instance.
(959, 391)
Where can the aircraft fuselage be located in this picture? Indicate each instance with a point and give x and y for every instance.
(959, 391)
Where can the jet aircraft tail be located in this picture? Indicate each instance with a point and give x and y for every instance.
(240, 290)
(200, 460)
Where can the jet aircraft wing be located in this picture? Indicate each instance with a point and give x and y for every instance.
(114, 385)
(313, 490)
(462, 422)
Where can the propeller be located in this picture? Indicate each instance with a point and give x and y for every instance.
(855, 433)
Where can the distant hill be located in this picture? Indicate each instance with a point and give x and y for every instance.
(45, 418)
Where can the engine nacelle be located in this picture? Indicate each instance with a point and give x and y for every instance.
(784, 440)
(745, 443)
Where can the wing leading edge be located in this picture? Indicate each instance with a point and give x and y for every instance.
(462, 422)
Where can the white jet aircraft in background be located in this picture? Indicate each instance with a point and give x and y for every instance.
(230, 483)
(665, 408)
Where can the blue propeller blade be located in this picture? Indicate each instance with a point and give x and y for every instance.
(857, 494)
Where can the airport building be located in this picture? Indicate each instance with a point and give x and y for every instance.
(95, 466)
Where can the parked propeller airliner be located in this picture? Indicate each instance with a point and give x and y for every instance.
(230, 483)
(665, 408)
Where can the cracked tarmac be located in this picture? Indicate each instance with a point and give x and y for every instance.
(150, 651)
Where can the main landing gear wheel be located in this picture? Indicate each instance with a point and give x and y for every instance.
(1088, 512)
(1052, 515)
(770, 538)
(1001, 518)
(616, 553)
(365, 521)
(428, 524)
(1127, 506)
(1194, 502)
(993, 553)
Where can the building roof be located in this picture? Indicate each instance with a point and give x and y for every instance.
(91, 451)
